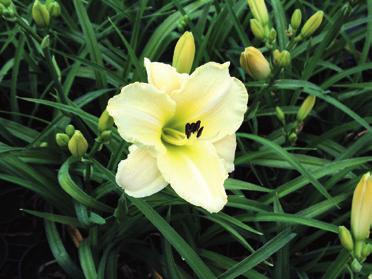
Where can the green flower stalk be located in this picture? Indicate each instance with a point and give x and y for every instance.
(184, 53)
(78, 145)
(40, 14)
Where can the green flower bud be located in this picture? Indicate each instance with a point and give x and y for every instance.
(292, 138)
(306, 108)
(70, 130)
(40, 14)
(62, 139)
(105, 121)
(54, 9)
(280, 115)
(345, 238)
(45, 42)
(366, 250)
(356, 266)
(272, 35)
(6, 3)
(106, 135)
(281, 58)
(43, 144)
(257, 29)
(254, 63)
(78, 145)
(259, 11)
(312, 24)
(276, 56)
(184, 53)
(296, 19)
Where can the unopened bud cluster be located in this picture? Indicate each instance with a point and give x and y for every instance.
(260, 24)
(7, 9)
(281, 58)
(356, 240)
(105, 123)
(74, 140)
(43, 12)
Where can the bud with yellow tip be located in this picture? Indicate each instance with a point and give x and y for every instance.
(257, 29)
(259, 11)
(345, 238)
(105, 121)
(184, 53)
(40, 14)
(62, 139)
(311, 25)
(361, 210)
(296, 19)
(254, 63)
(306, 108)
(78, 145)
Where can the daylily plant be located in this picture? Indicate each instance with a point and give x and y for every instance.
(183, 132)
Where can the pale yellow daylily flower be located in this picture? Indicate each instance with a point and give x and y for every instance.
(361, 210)
(183, 132)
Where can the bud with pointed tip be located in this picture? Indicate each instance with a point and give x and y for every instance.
(292, 138)
(280, 115)
(257, 29)
(296, 19)
(40, 14)
(276, 56)
(105, 121)
(312, 24)
(184, 53)
(62, 139)
(306, 108)
(78, 145)
(70, 130)
(361, 210)
(254, 63)
(345, 238)
(259, 11)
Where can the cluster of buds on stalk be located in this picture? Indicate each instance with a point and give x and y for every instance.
(43, 12)
(310, 26)
(7, 9)
(105, 123)
(356, 241)
(260, 24)
(292, 130)
(74, 140)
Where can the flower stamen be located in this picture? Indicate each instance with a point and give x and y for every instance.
(191, 128)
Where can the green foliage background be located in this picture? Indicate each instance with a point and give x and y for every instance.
(285, 202)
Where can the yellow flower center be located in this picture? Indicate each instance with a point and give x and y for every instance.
(175, 137)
